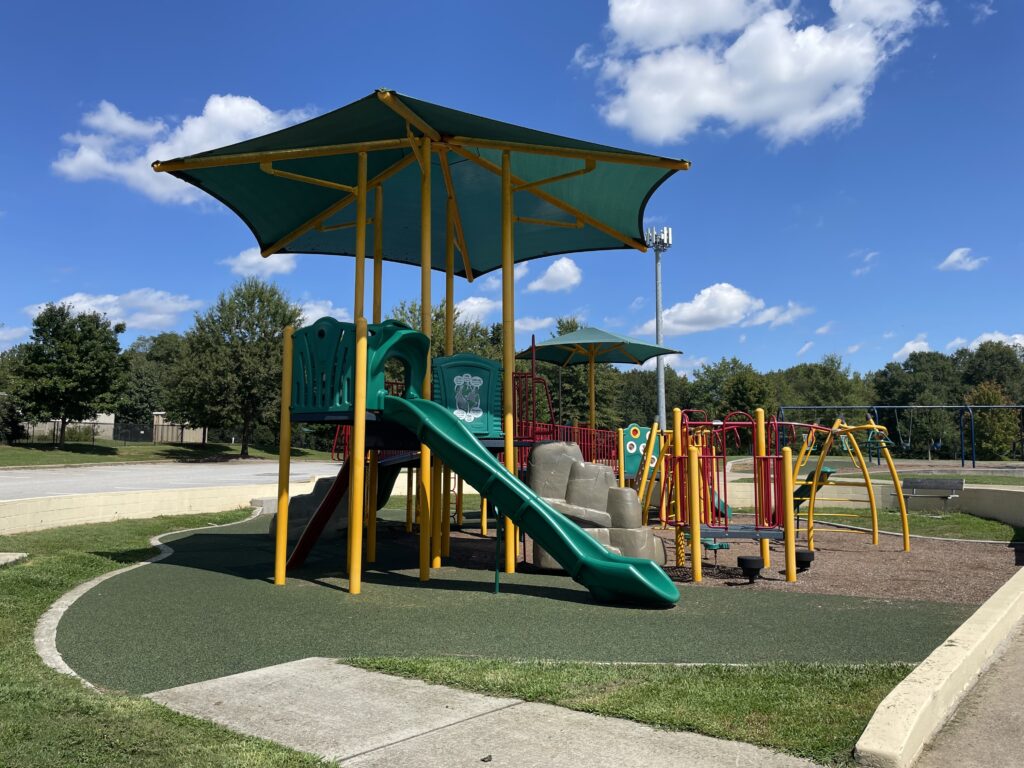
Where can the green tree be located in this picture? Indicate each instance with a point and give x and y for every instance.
(997, 429)
(229, 373)
(469, 336)
(998, 363)
(67, 366)
(11, 410)
(638, 395)
(730, 385)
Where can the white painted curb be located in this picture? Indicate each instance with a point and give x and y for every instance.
(916, 709)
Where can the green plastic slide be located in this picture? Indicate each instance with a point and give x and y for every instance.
(610, 578)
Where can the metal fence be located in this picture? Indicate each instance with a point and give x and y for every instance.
(105, 432)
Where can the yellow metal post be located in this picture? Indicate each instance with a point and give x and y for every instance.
(378, 274)
(645, 459)
(898, 488)
(508, 340)
(760, 450)
(284, 456)
(449, 346)
(622, 459)
(788, 524)
(693, 503)
(425, 327)
(357, 455)
(483, 516)
(663, 498)
(677, 492)
(853, 449)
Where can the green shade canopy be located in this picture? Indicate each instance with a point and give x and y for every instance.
(292, 187)
(593, 344)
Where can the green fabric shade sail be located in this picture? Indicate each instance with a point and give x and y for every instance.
(594, 345)
(293, 187)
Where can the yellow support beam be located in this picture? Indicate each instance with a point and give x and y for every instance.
(391, 100)
(760, 450)
(276, 155)
(558, 203)
(508, 341)
(605, 156)
(645, 459)
(460, 242)
(788, 525)
(334, 208)
(589, 165)
(269, 169)
(677, 491)
(357, 456)
(425, 327)
(693, 503)
(284, 455)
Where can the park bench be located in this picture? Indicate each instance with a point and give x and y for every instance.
(944, 488)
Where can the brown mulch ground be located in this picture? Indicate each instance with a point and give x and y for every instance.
(845, 564)
(848, 564)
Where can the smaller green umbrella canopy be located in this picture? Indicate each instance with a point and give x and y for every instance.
(592, 346)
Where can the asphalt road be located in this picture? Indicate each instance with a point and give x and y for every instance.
(62, 481)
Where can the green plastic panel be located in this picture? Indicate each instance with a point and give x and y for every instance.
(469, 386)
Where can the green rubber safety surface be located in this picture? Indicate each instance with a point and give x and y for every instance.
(211, 610)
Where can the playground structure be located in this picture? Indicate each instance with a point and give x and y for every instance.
(461, 427)
(904, 437)
(683, 474)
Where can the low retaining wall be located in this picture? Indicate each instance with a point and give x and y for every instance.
(916, 709)
(23, 515)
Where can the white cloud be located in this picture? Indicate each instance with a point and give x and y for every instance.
(562, 275)
(531, 324)
(119, 147)
(476, 308)
(672, 67)
(776, 316)
(960, 260)
(983, 10)
(249, 263)
(888, 334)
(854, 349)
(677, 362)
(956, 343)
(1012, 338)
(10, 335)
(743, 338)
(822, 330)
(719, 306)
(492, 282)
(804, 349)
(314, 309)
(917, 344)
(141, 309)
(636, 303)
(866, 263)
(612, 322)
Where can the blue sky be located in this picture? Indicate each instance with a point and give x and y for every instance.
(842, 154)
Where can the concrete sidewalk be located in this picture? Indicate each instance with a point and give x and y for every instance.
(370, 720)
(987, 729)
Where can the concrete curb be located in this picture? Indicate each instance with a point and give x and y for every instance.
(45, 636)
(10, 558)
(916, 709)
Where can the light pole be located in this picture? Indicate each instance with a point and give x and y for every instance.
(660, 241)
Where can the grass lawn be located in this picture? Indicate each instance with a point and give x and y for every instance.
(949, 525)
(48, 719)
(814, 711)
(104, 451)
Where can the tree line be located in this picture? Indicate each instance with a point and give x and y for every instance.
(224, 373)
